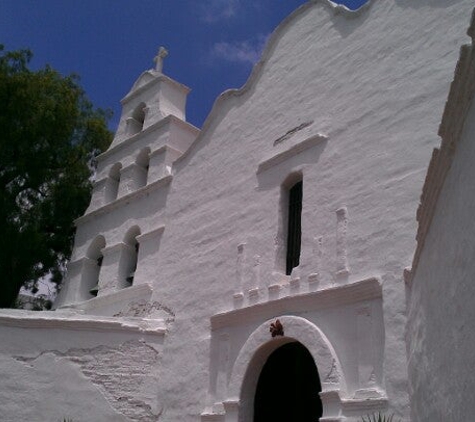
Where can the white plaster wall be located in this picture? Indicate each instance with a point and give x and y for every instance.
(375, 84)
(441, 324)
(51, 374)
(340, 325)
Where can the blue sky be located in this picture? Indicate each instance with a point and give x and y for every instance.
(213, 44)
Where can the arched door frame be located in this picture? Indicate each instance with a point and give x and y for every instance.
(258, 347)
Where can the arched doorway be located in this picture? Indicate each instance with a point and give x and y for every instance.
(288, 387)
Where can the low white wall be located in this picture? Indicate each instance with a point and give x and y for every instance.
(59, 365)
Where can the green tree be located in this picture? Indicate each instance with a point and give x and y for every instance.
(49, 135)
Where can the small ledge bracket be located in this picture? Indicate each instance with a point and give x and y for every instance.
(295, 149)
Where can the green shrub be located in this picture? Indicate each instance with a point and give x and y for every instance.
(378, 417)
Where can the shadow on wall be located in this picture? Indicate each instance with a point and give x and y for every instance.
(272, 177)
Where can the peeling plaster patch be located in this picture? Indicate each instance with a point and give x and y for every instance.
(119, 374)
(145, 309)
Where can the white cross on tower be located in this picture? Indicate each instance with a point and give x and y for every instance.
(162, 53)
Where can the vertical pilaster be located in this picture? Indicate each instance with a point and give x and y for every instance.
(127, 265)
(255, 290)
(223, 361)
(314, 278)
(70, 290)
(240, 265)
(342, 268)
(133, 126)
(132, 178)
(108, 278)
(111, 189)
(231, 408)
(149, 246)
(161, 161)
(98, 195)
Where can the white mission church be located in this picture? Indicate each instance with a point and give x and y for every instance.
(266, 268)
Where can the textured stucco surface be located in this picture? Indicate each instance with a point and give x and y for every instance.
(83, 374)
(441, 326)
(379, 104)
(354, 102)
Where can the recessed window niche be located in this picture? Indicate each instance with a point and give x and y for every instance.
(289, 225)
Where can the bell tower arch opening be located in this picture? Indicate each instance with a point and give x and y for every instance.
(288, 387)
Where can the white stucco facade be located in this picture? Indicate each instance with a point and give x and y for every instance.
(441, 292)
(185, 237)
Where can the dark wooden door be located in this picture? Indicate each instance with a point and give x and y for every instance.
(288, 387)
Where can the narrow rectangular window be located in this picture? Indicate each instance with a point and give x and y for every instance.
(294, 232)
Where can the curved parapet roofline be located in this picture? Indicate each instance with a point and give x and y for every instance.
(256, 70)
(343, 8)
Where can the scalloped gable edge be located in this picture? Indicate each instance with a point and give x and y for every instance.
(342, 8)
(256, 70)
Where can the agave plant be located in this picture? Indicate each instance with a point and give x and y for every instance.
(378, 417)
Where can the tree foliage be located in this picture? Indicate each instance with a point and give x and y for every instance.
(49, 135)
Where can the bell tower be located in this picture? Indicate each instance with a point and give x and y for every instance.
(153, 97)
(119, 235)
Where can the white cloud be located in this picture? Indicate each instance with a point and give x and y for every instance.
(216, 10)
(240, 51)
